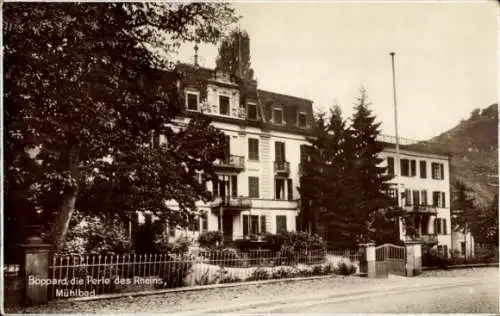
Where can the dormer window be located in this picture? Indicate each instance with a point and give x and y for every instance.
(302, 120)
(252, 111)
(192, 100)
(223, 105)
(278, 116)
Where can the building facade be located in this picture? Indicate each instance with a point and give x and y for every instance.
(256, 190)
(424, 192)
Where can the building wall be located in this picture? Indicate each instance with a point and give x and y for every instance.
(457, 238)
(428, 184)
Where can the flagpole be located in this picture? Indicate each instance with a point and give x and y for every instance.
(398, 161)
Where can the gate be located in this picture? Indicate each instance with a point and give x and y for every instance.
(390, 259)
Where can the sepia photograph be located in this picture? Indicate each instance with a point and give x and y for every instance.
(250, 157)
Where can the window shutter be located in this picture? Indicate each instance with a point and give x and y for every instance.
(289, 185)
(443, 199)
(441, 167)
(435, 198)
(204, 219)
(437, 225)
(444, 226)
(262, 224)
(245, 225)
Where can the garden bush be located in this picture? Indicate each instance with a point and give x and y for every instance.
(345, 269)
(96, 235)
(259, 274)
(210, 239)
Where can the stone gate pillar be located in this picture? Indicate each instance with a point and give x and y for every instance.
(34, 270)
(413, 258)
(368, 262)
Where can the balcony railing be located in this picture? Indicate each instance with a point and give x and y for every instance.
(231, 162)
(281, 167)
(426, 209)
(232, 202)
(429, 238)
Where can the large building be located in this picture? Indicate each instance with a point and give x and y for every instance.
(424, 182)
(256, 191)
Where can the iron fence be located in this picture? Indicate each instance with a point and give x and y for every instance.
(89, 275)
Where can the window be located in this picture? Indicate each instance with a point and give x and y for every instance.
(223, 105)
(280, 223)
(462, 248)
(215, 186)
(254, 224)
(278, 116)
(437, 171)
(390, 166)
(252, 111)
(407, 197)
(279, 151)
(445, 250)
(171, 230)
(393, 194)
(416, 198)
(445, 228)
(302, 120)
(290, 189)
(437, 226)
(423, 195)
(423, 169)
(279, 185)
(304, 153)
(192, 101)
(253, 149)
(405, 167)
(234, 186)
(439, 199)
(413, 168)
(253, 187)
(262, 224)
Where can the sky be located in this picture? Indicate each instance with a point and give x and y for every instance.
(446, 60)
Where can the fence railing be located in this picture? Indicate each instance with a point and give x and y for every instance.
(75, 275)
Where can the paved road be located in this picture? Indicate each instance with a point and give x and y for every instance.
(477, 296)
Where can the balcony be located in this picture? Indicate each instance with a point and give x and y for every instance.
(234, 203)
(233, 162)
(422, 209)
(282, 167)
(429, 238)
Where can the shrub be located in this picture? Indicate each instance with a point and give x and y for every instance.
(317, 270)
(329, 269)
(259, 274)
(281, 273)
(96, 235)
(345, 269)
(210, 239)
(431, 258)
(226, 257)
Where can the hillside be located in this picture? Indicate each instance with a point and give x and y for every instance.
(473, 144)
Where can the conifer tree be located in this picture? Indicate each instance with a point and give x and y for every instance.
(370, 180)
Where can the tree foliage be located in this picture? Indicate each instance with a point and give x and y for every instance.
(234, 55)
(80, 85)
(343, 189)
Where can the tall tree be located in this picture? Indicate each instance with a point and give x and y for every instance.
(371, 180)
(80, 86)
(234, 55)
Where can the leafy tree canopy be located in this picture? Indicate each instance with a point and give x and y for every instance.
(81, 83)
